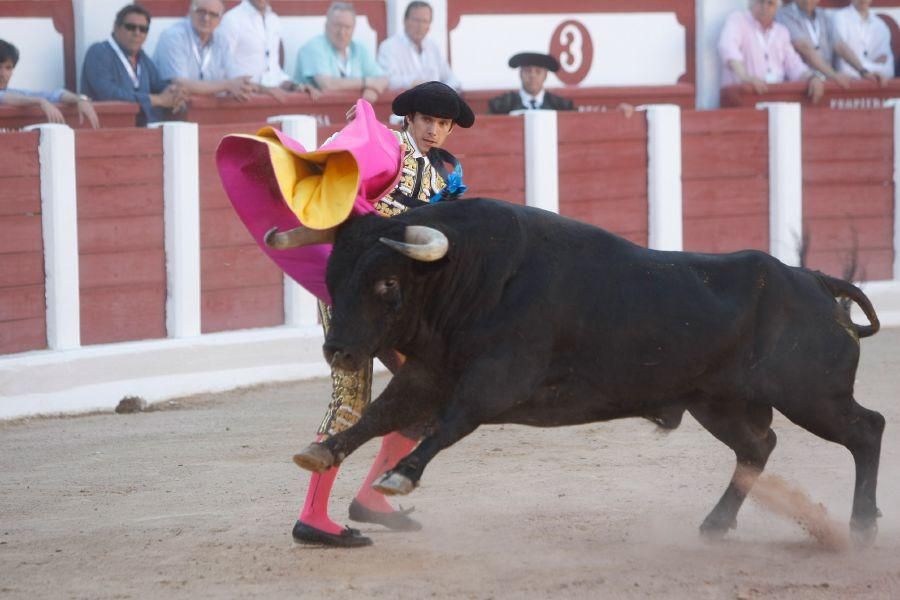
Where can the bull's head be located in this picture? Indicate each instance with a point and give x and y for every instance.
(373, 287)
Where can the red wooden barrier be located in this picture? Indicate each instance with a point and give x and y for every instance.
(492, 153)
(860, 95)
(725, 186)
(239, 286)
(603, 171)
(848, 191)
(120, 235)
(111, 114)
(22, 305)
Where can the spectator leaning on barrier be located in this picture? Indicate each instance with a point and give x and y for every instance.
(9, 58)
(253, 32)
(862, 42)
(755, 49)
(118, 69)
(334, 62)
(812, 37)
(190, 54)
(533, 68)
(409, 57)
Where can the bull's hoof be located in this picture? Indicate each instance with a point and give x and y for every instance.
(394, 484)
(713, 530)
(862, 533)
(315, 457)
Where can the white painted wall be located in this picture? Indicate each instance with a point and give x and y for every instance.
(438, 31)
(617, 60)
(41, 58)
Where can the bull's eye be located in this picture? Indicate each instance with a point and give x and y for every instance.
(387, 288)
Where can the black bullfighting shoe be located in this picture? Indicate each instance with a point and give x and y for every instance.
(398, 520)
(348, 538)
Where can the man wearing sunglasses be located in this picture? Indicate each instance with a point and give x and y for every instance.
(118, 69)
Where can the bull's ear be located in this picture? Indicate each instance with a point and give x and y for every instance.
(422, 243)
(299, 236)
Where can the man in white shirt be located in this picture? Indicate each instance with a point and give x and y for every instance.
(253, 31)
(192, 54)
(409, 58)
(862, 42)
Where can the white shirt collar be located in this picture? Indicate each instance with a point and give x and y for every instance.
(526, 98)
(412, 144)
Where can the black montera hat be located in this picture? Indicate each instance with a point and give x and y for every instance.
(534, 59)
(436, 99)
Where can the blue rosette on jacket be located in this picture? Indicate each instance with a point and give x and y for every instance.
(454, 179)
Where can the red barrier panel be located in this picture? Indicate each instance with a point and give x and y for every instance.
(121, 235)
(861, 94)
(848, 191)
(239, 286)
(603, 171)
(22, 306)
(725, 181)
(111, 114)
(492, 153)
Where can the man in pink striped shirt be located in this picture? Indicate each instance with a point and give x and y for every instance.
(755, 49)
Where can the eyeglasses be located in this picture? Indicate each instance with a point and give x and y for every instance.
(204, 14)
(132, 27)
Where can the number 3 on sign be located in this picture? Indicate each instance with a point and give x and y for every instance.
(571, 44)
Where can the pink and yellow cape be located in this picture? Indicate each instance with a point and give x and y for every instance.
(273, 181)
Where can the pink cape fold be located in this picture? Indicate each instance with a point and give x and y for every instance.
(248, 177)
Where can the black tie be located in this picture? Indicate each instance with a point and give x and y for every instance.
(533, 103)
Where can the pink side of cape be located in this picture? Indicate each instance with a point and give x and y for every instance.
(249, 181)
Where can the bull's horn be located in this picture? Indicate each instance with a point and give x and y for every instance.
(299, 236)
(422, 243)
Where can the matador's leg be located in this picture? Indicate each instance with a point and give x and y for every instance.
(351, 391)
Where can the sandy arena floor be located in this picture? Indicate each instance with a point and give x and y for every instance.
(197, 501)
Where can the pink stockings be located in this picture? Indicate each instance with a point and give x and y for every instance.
(394, 446)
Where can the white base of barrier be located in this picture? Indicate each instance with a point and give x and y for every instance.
(98, 377)
(885, 297)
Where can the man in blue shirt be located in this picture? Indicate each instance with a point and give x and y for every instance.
(117, 69)
(190, 54)
(9, 58)
(334, 62)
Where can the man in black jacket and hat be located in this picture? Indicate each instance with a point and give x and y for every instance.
(533, 68)
(428, 174)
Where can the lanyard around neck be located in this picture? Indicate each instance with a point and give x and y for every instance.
(134, 75)
(202, 56)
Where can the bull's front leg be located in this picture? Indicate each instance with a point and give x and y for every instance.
(487, 390)
(409, 399)
(452, 427)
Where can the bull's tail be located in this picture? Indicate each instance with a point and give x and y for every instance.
(844, 289)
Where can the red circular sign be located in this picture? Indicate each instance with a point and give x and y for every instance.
(571, 45)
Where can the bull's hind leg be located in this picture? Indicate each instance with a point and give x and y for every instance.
(744, 429)
(843, 421)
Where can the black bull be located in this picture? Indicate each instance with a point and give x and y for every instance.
(536, 319)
